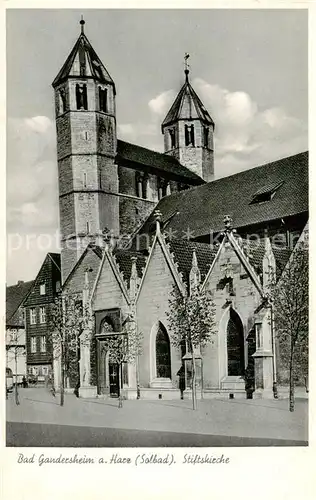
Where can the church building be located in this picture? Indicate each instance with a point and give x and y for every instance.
(136, 223)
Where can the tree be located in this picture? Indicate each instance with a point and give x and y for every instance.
(290, 303)
(69, 320)
(124, 347)
(191, 321)
(15, 347)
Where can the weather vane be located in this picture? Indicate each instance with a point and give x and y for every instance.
(82, 22)
(186, 66)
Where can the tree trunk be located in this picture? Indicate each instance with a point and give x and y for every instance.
(120, 388)
(193, 379)
(137, 378)
(17, 402)
(62, 379)
(291, 395)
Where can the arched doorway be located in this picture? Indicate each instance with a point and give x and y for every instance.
(235, 345)
(108, 371)
(163, 358)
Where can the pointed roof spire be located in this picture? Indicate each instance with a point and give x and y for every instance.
(187, 104)
(83, 62)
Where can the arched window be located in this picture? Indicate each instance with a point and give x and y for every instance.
(61, 101)
(103, 99)
(163, 360)
(235, 345)
(106, 326)
(189, 135)
(81, 96)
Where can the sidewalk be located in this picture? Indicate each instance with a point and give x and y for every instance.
(244, 418)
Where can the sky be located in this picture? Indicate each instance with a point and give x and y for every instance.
(249, 67)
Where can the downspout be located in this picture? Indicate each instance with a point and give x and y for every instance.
(274, 385)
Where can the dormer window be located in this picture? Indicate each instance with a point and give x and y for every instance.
(172, 134)
(189, 135)
(81, 96)
(266, 193)
(103, 97)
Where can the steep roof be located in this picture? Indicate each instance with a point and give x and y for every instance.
(206, 253)
(15, 296)
(187, 105)
(83, 62)
(127, 152)
(124, 261)
(202, 209)
(49, 274)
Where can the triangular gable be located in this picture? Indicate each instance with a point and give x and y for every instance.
(97, 250)
(159, 240)
(39, 278)
(228, 237)
(109, 259)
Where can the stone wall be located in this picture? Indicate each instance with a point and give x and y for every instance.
(151, 307)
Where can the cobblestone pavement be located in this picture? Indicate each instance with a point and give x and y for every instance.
(240, 418)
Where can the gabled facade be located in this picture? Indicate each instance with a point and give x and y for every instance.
(37, 307)
(15, 338)
(242, 358)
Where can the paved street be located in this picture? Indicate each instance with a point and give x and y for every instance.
(47, 435)
(40, 421)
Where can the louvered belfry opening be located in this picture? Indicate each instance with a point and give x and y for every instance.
(163, 359)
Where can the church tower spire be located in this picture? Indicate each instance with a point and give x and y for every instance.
(86, 149)
(188, 131)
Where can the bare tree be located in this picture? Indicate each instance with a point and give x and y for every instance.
(290, 304)
(69, 320)
(191, 321)
(16, 348)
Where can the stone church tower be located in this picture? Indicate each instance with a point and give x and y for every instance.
(188, 132)
(86, 148)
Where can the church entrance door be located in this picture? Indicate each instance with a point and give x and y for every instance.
(114, 380)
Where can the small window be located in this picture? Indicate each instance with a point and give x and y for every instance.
(61, 101)
(189, 135)
(33, 316)
(57, 286)
(81, 96)
(144, 186)
(43, 289)
(206, 137)
(103, 96)
(85, 180)
(42, 315)
(172, 134)
(45, 370)
(43, 343)
(33, 344)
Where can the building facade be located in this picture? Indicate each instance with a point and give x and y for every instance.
(179, 235)
(15, 329)
(37, 308)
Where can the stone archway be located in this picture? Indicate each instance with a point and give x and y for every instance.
(235, 345)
